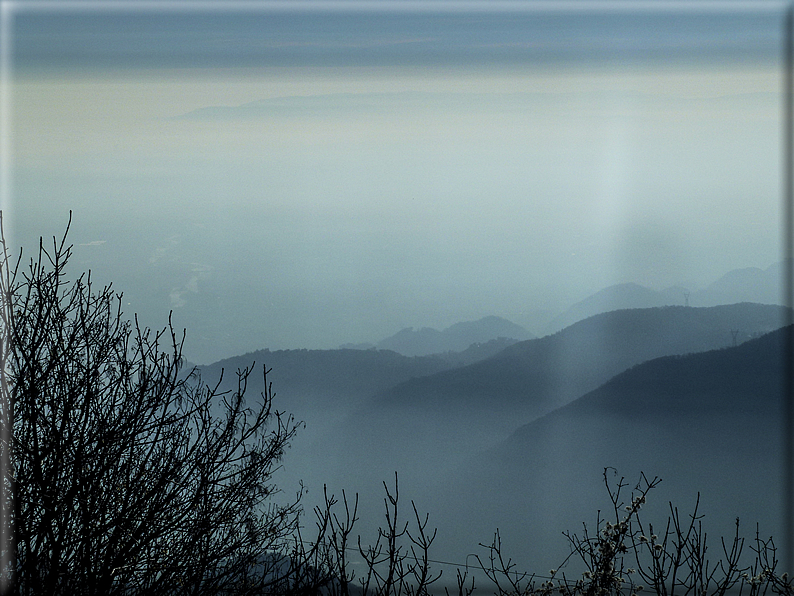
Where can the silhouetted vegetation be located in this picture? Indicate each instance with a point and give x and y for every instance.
(624, 554)
(125, 473)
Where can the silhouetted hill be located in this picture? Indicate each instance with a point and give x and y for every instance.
(357, 346)
(751, 284)
(541, 374)
(736, 381)
(707, 422)
(618, 297)
(337, 379)
(455, 338)
(436, 422)
(477, 351)
(321, 388)
(483, 330)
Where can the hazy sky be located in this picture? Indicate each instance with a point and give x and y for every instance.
(292, 175)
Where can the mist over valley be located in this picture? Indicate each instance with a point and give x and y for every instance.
(520, 430)
(494, 248)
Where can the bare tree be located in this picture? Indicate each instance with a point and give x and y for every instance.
(125, 473)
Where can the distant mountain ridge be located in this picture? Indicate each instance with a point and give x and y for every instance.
(371, 412)
(455, 338)
(592, 350)
(618, 297)
(452, 414)
(320, 388)
(707, 422)
(327, 381)
(750, 284)
(330, 383)
(477, 351)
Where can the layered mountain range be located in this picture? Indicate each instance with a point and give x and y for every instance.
(707, 423)
(515, 434)
(750, 284)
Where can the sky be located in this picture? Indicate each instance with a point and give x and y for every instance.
(305, 174)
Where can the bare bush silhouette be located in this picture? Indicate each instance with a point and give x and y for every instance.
(623, 556)
(127, 474)
(397, 563)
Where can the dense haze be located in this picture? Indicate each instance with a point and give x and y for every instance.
(288, 178)
(538, 228)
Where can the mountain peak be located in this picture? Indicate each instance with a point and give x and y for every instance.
(455, 338)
